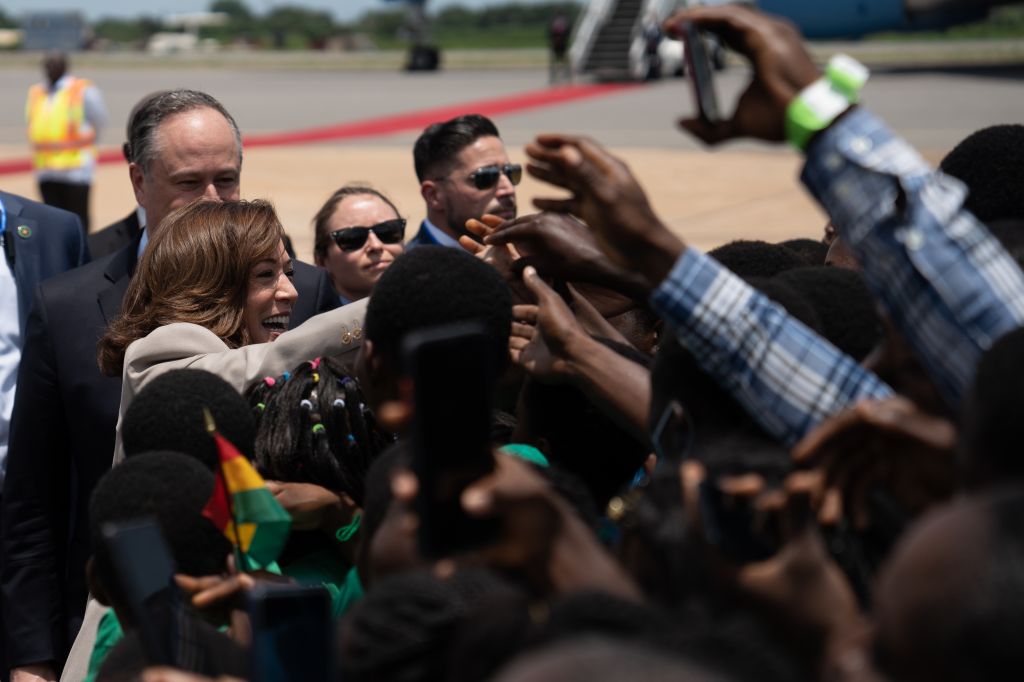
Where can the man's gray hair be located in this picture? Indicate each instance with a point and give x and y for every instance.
(149, 113)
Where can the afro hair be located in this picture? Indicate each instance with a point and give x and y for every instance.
(171, 487)
(167, 414)
(989, 163)
(756, 259)
(435, 285)
(843, 305)
(811, 250)
(993, 418)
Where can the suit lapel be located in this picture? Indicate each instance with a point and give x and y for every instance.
(118, 273)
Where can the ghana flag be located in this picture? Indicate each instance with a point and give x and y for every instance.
(243, 508)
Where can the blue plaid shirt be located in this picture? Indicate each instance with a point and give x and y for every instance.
(787, 377)
(946, 282)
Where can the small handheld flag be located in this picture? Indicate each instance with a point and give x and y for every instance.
(242, 507)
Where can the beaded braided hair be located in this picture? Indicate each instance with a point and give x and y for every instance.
(313, 426)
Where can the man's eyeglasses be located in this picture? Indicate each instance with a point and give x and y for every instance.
(488, 176)
(353, 238)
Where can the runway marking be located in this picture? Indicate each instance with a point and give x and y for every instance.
(389, 125)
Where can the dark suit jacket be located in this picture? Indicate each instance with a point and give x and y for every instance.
(62, 441)
(422, 237)
(43, 241)
(115, 236)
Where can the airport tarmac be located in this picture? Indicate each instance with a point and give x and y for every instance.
(743, 190)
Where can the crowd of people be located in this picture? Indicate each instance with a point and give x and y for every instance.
(789, 461)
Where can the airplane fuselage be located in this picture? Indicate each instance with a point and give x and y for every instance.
(854, 18)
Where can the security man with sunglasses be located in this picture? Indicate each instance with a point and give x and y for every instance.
(464, 172)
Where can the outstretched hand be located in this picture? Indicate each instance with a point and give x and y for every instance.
(504, 258)
(782, 68)
(557, 244)
(885, 443)
(542, 334)
(312, 506)
(607, 197)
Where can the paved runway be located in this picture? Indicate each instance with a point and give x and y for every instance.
(745, 189)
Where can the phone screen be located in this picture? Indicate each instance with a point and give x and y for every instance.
(145, 575)
(730, 526)
(698, 64)
(292, 634)
(453, 383)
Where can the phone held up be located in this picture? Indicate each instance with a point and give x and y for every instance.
(292, 634)
(699, 68)
(453, 380)
(144, 571)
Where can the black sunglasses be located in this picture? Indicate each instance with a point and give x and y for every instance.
(353, 238)
(488, 176)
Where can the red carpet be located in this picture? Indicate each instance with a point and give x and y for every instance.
(387, 125)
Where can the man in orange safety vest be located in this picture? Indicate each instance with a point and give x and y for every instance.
(65, 115)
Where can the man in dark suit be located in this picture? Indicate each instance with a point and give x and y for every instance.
(183, 145)
(464, 172)
(115, 236)
(37, 242)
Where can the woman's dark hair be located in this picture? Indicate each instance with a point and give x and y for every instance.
(313, 426)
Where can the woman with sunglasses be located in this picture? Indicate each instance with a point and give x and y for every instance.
(358, 235)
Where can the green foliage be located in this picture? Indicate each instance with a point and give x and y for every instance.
(507, 25)
(294, 27)
(126, 30)
(1002, 23)
(304, 27)
(6, 21)
(235, 9)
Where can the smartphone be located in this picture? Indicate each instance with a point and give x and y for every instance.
(145, 574)
(698, 65)
(292, 634)
(453, 381)
(729, 526)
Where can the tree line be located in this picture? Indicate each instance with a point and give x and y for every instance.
(294, 27)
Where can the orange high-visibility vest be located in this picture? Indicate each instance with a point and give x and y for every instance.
(55, 126)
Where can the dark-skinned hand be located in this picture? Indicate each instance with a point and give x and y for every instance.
(800, 585)
(557, 244)
(540, 537)
(590, 318)
(609, 200)
(502, 257)
(887, 444)
(782, 68)
(543, 333)
(312, 506)
(222, 593)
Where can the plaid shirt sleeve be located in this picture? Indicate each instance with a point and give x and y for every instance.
(948, 285)
(786, 376)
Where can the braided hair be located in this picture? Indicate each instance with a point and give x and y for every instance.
(313, 426)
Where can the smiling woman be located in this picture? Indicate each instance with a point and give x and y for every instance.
(218, 265)
(212, 289)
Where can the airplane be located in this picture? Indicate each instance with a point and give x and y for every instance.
(857, 18)
(608, 36)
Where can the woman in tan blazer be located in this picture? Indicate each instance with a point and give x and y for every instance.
(213, 291)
